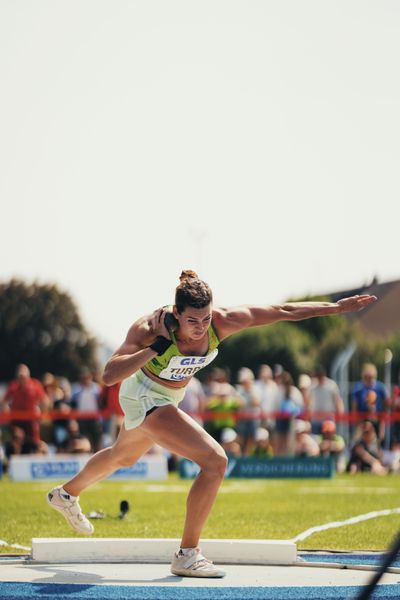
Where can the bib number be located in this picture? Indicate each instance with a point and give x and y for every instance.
(180, 368)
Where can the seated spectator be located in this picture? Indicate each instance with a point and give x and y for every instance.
(247, 426)
(370, 396)
(331, 444)
(224, 404)
(284, 438)
(305, 444)
(262, 447)
(20, 443)
(229, 442)
(366, 454)
(76, 442)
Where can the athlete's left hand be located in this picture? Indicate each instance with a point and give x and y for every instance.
(354, 303)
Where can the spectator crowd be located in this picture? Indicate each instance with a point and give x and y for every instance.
(263, 414)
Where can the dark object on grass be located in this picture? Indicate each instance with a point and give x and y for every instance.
(123, 509)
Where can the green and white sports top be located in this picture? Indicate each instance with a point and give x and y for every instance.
(175, 366)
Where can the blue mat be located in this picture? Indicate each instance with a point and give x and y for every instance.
(50, 591)
(348, 558)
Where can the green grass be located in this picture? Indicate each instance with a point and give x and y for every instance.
(255, 509)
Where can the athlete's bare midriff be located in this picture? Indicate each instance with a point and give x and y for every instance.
(166, 382)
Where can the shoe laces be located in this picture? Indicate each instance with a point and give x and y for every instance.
(76, 510)
(201, 562)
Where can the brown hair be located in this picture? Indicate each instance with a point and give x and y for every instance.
(192, 291)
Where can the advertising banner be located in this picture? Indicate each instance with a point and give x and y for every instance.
(280, 467)
(64, 466)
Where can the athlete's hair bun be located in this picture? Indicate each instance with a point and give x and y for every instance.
(192, 291)
(188, 274)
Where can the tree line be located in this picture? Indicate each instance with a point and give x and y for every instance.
(40, 325)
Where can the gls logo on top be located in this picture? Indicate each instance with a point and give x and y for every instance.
(182, 367)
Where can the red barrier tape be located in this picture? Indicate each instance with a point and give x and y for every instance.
(20, 415)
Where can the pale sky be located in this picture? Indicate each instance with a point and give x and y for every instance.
(257, 142)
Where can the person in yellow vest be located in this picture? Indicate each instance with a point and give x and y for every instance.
(154, 364)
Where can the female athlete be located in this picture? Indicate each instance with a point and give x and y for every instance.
(160, 354)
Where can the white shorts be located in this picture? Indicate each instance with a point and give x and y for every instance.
(138, 394)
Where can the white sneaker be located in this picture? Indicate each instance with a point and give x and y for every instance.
(70, 509)
(194, 564)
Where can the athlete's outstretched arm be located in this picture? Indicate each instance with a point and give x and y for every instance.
(232, 320)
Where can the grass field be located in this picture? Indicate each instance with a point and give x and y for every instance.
(254, 508)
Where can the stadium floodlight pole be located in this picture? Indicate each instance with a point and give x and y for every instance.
(391, 555)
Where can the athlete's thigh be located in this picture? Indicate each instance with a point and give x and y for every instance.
(132, 442)
(176, 431)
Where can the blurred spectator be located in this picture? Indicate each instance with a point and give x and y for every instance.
(366, 454)
(26, 394)
(2, 453)
(66, 388)
(395, 408)
(284, 437)
(75, 442)
(61, 406)
(331, 444)
(194, 401)
(86, 398)
(305, 444)
(60, 425)
(229, 442)
(216, 376)
(278, 372)
(224, 404)
(262, 446)
(52, 388)
(304, 385)
(370, 396)
(269, 394)
(280, 377)
(20, 443)
(55, 395)
(247, 426)
(109, 401)
(325, 399)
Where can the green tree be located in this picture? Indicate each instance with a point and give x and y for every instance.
(282, 343)
(368, 349)
(40, 326)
